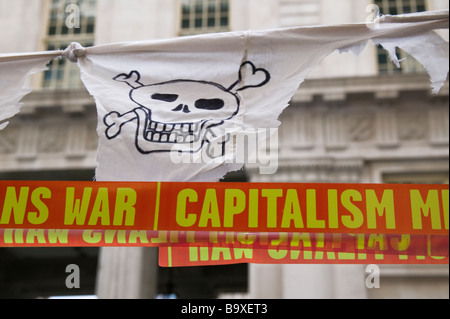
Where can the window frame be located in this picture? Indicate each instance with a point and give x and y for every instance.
(62, 74)
(199, 18)
(409, 64)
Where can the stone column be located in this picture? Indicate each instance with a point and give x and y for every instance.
(265, 281)
(127, 273)
(293, 281)
(297, 281)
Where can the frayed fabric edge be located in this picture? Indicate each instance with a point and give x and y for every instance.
(22, 91)
(434, 57)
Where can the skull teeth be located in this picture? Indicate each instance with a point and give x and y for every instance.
(173, 133)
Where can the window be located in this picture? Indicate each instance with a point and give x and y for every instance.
(62, 73)
(394, 7)
(202, 16)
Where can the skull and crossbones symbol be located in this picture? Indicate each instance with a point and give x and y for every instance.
(172, 113)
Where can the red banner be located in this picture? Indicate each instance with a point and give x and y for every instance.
(223, 223)
(305, 248)
(241, 207)
(212, 255)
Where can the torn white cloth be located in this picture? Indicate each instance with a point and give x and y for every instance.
(169, 110)
(14, 71)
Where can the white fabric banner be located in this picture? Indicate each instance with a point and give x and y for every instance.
(172, 110)
(14, 71)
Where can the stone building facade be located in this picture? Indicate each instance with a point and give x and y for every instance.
(354, 120)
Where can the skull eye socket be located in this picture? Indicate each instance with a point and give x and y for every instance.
(209, 104)
(165, 97)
